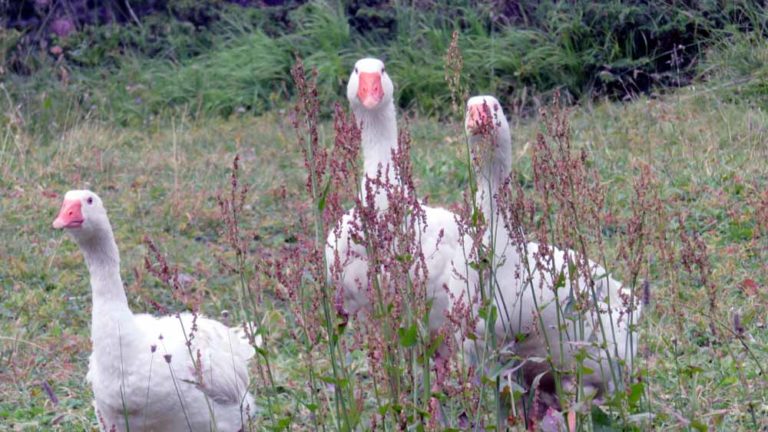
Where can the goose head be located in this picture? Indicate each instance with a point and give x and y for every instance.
(484, 117)
(490, 143)
(82, 215)
(369, 87)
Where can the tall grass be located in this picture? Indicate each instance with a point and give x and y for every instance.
(739, 67)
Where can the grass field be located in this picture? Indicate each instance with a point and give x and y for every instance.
(162, 180)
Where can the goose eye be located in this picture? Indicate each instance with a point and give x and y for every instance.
(356, 70)
(383, 70)
(90, 200)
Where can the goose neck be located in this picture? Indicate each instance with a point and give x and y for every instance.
(495, 166)
(110, 304)
(379, 138)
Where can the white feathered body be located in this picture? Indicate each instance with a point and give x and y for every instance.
(438, 236)
(135, 389)
(528, 323)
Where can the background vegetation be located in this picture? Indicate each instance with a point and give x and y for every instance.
(127, 61)
(147, 102)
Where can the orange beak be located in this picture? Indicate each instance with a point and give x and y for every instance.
(478, 116)
(369, 90)
(70, 215)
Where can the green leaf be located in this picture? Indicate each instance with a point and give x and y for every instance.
(699, 426)
(435, 345)
(404, 258)
(600, 418)
(572, 269)
(283, 424)
(560, 282)
(409, 336)
(635, 393)
(331, 380)
(482, 312)
(477, 217)
(324, 196)
(494, 316)
(488, 312)
(692, 370)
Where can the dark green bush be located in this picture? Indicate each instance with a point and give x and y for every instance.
(219, 57)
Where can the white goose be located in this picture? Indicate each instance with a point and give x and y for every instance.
(370, 94)
(141, 369)
(521, 288)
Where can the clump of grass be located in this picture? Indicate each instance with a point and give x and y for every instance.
(737, 67)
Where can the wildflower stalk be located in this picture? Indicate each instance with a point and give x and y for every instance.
(489, 256)
(153, 348)
(737, 331)
(171, 278)
(485, 264)
(178, 390)
(573, 177)
(307, 107)
(231, 209)
(484, 255)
